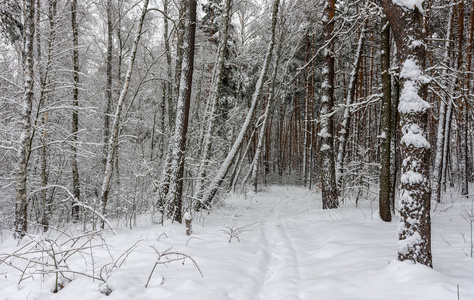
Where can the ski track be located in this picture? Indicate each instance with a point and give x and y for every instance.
(282, 275)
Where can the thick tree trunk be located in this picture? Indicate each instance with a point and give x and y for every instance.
(178, 143)
(415, 222)
(385, 186)
(75, 114)
(21, 209)
(222, 173)
(326, 133)
(114, 135)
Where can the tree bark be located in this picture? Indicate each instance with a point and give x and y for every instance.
(326, 133)
(75, 114)
(108, 75)
(440, 139)
(21, 209)
(385, 186)
(345, 125)
(415, 222)
(178, 143)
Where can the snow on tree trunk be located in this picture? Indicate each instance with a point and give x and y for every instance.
(213, 98)
(224, 169)
(385, 186)
(178, 143)
(114, 135)
(266, 115)
(75, 114)
(414, 228)
(328, 170)
(344, 132)
(21, 209)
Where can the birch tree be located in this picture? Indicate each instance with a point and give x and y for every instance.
(225, 167)
(406, 21)
(75, 114)
(213, 97)
(21, 209)
(114, 135)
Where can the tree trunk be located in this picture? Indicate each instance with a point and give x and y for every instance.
(415, 222)
(385, 187)
(344, 132)
(266, 114)
(108, 86)
(178, 143)
(113, 140)
(213, 98)
(465, 113)
(440, 140)
(326, 133)
(21, 209)
(75, 114)
(221, 174)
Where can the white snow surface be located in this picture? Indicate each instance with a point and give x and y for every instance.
(293, 250)
(410, 4)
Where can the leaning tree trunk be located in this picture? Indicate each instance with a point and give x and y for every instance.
(114, 135)
(213, 98)
(266, 115)
(328, 170)
(75, 114)
(21, 209)
(414, 229)
(178, 143)
(222, 173)
(385, 186)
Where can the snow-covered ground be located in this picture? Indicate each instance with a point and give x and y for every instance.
(289, 248)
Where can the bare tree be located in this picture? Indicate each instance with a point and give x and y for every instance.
(213, 98)
(114, 135)
(224, 169)
(21, 209)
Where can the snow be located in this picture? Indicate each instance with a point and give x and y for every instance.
(410, 4)
(290, 249)
(412, 177)
(410, 101)
(413, 135)
(324, 133)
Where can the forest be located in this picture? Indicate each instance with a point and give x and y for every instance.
(126, 122)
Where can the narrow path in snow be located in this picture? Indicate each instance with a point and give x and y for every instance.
(283, 264)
